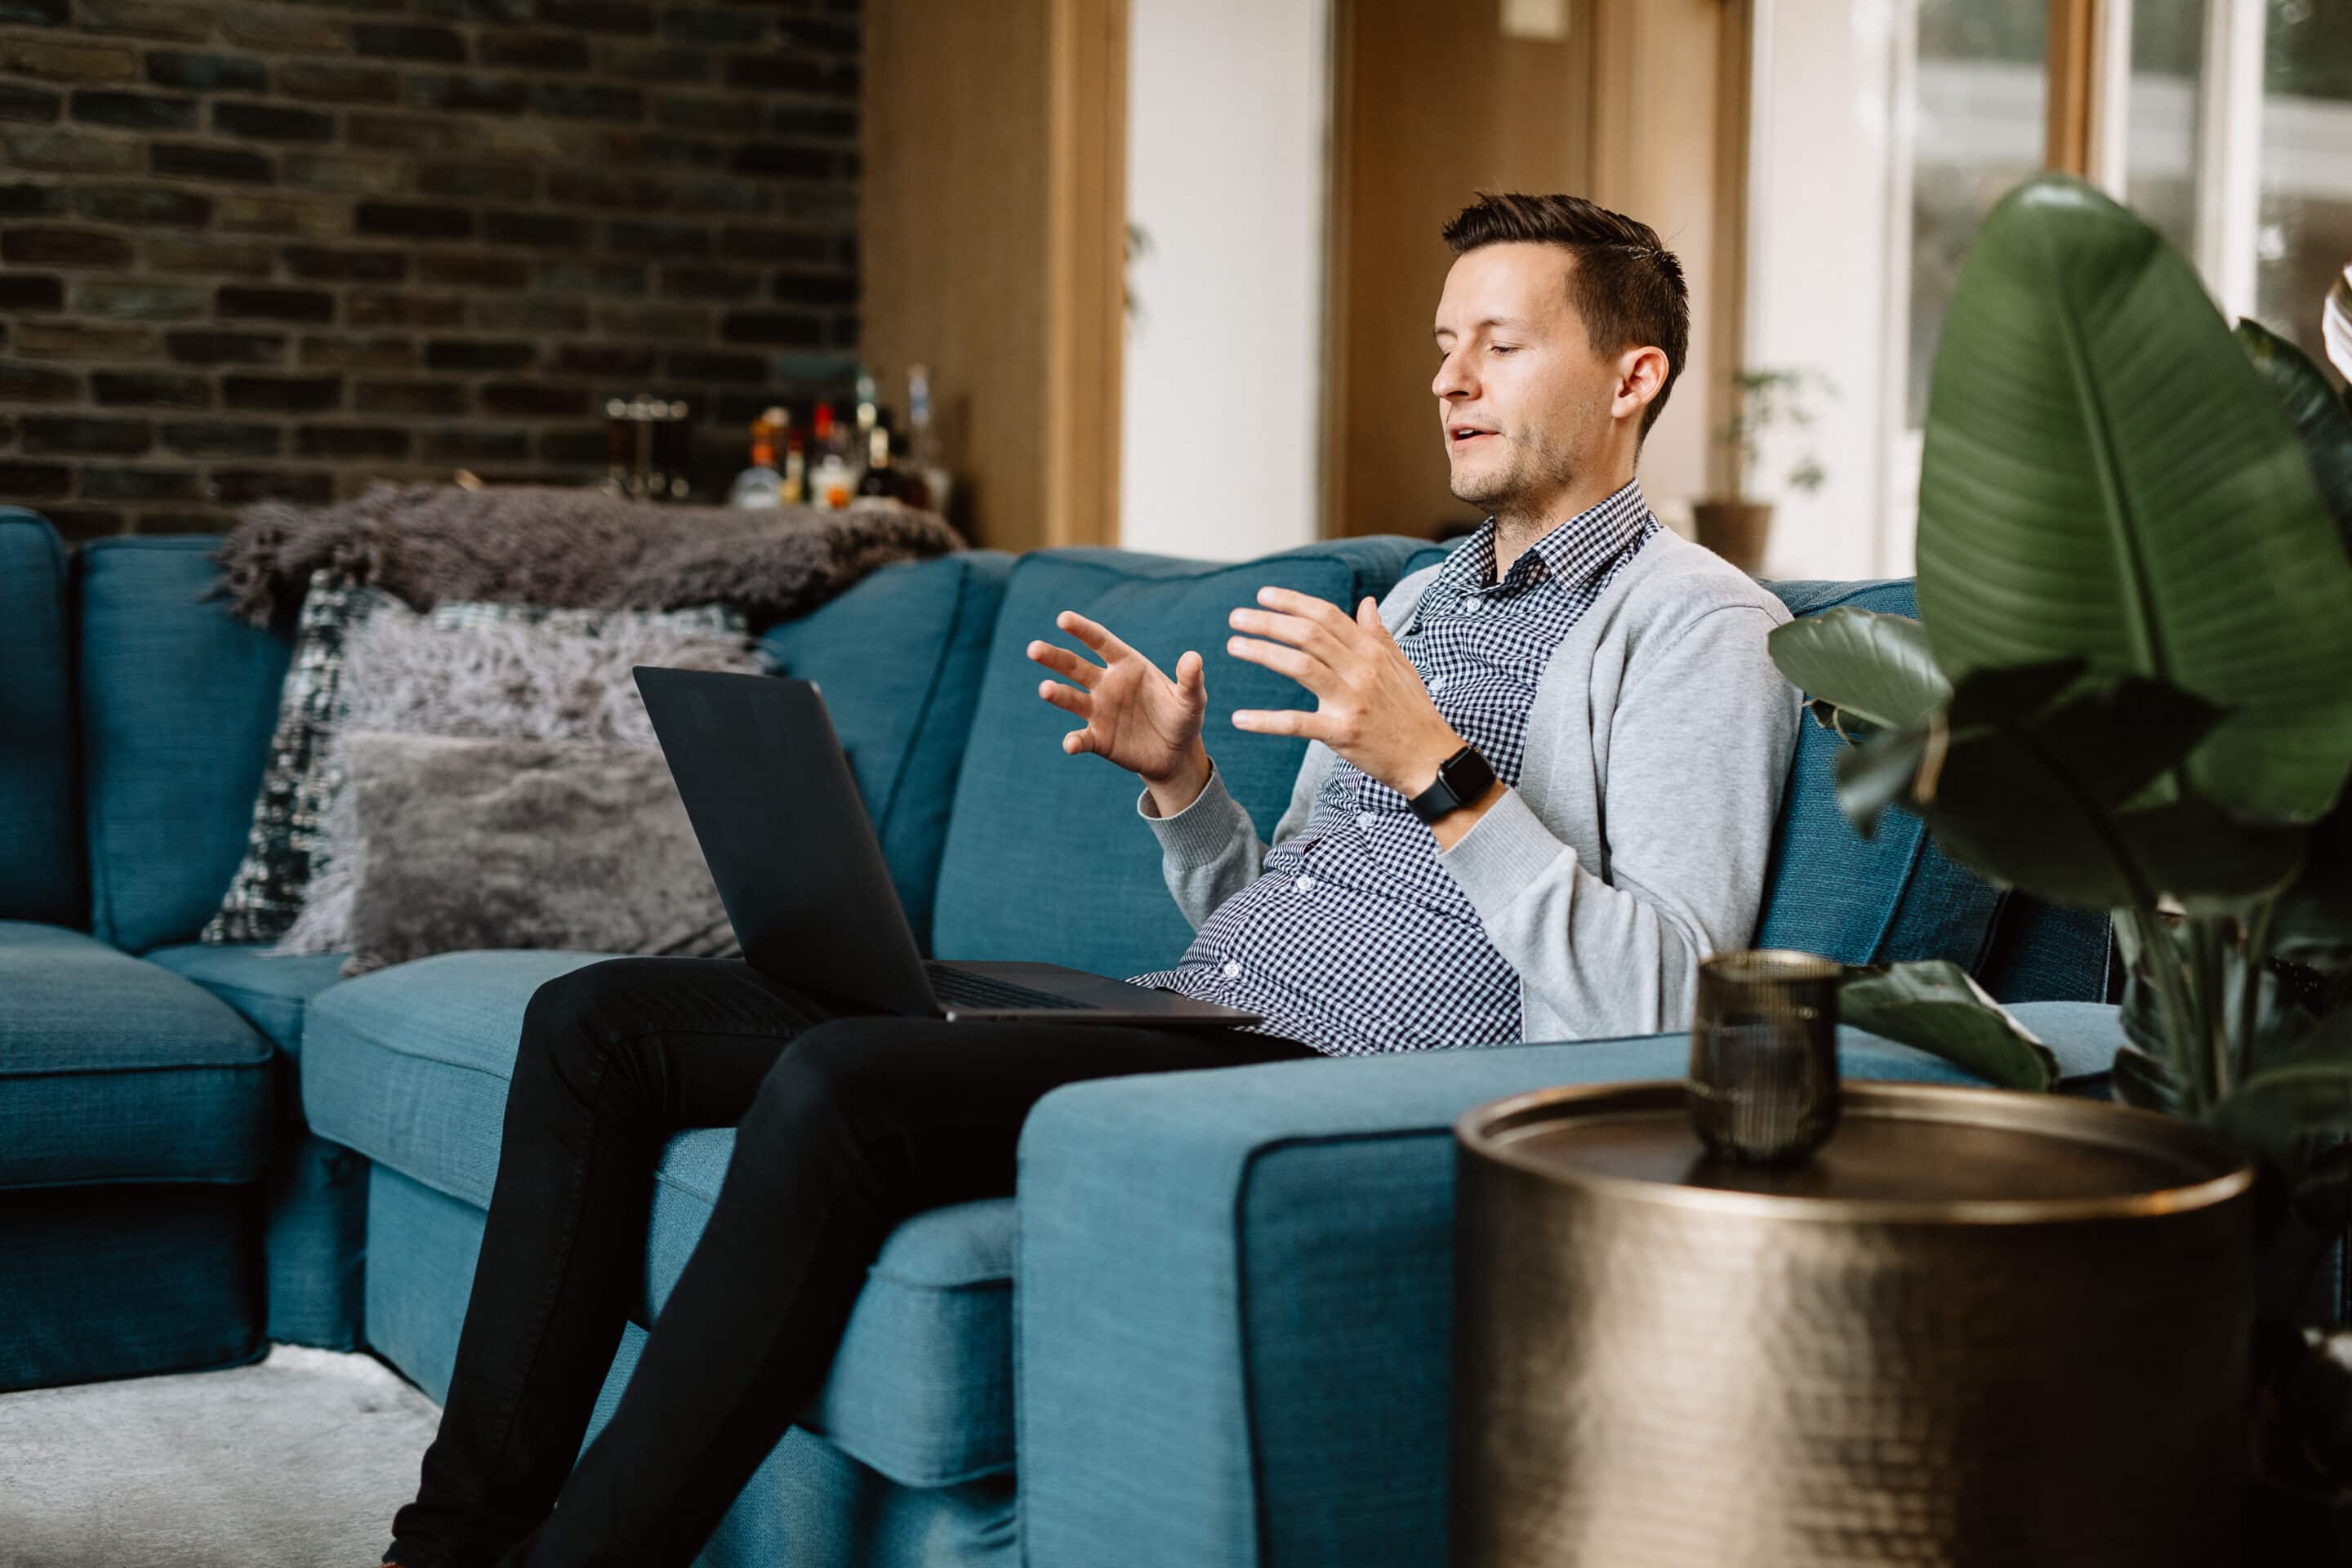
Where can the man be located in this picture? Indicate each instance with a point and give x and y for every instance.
(1541, 787)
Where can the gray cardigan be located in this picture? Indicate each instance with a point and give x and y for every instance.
(1636, 841)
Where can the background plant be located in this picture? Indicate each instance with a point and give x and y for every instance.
(1763, 401)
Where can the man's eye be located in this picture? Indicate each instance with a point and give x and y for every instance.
(1506, 348)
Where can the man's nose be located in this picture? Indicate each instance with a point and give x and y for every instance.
(1451, 380)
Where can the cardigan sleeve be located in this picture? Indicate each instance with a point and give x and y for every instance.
(1699, 746)
(1210, 850)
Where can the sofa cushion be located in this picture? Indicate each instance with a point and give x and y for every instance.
(40, 814)
(270, 994)
(1888, 898)
(177, 704)
(2041, 952)
(114, 1071)
(409, 1066)
(899, 660)
(1034, 829)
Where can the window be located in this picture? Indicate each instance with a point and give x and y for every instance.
(1884, 130)
(2303, 233)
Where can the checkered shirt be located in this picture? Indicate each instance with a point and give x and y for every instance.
(1355, 939)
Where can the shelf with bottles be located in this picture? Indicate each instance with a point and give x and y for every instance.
(839, 464)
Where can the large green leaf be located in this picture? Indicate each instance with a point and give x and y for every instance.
(1877, 668)
(2309, 401)
(2107, 475)
(1934, 1005)
(2044, 798)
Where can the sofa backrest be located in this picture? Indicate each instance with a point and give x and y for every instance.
(40, 811)
(1896, 896)
(1045, 858)
(899, 660)
(178, 699)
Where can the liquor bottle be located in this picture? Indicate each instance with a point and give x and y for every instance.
(923, 469)
(868, 408)
(760, 485)
(881, 479)
(795, 490)
(834, 480)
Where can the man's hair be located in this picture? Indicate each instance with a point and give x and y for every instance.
(1626, 284)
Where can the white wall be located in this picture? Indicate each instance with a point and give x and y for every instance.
(1227, 125)
(1824, 290)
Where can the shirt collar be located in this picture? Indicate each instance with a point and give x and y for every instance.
(1574, 551)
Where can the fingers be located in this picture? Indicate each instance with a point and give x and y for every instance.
(1309, 636)
(1276, 721)
(1307, 671)
(1094, 636)
(1062, 661)
(1075, 743)
(1068, 699)
(1322, 612)
(1192, 683)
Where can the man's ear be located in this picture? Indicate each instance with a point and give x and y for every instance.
(1641, 377)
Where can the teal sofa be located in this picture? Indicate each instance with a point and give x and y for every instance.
(1211, 1329)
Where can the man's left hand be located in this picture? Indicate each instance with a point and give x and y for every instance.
(1372, 707)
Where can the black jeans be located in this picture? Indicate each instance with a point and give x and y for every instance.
(847, 1125)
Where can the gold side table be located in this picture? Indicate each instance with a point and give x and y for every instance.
(1976, 1328)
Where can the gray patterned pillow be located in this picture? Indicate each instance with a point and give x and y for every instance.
(265, 894)
(478, 671)
(288, 846)
(578, 847)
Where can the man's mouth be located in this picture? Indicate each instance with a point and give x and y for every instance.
(1459, 437)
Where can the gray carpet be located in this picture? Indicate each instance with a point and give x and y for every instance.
(295, 1462)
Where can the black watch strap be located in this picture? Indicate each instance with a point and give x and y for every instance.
(1461, 778)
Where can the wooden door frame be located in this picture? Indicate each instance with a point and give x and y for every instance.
(1085, 269)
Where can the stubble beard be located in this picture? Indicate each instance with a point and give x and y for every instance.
(1513, 493)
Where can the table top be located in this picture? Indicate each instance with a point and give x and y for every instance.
(1897, 1147)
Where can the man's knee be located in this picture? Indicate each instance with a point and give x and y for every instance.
(569, 1027)
(841, 1068)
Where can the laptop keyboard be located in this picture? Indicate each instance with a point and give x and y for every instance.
(962, 988)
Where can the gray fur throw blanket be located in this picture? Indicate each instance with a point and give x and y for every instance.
(569, 549)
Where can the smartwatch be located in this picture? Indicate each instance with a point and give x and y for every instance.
(1462, 779)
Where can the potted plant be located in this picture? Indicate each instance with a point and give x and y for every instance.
(1761, 401)
(2130, 688)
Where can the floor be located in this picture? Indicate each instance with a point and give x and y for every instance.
(297, 1462)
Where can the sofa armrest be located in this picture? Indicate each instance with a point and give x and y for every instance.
(1233, 1316)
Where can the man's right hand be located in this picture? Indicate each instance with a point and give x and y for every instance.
(1134, 715)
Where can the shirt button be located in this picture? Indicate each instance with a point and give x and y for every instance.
(1306, 884)
(1365, 819)
(1233, 969)
(1436, 684)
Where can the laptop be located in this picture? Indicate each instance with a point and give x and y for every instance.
(768, 789)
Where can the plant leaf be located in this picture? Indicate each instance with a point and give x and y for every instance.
(2011, 694)
(2307, 1089)
(1877, 668)
(2319, 418)
(2145, 1082)
(1877, 773)
(2106, 475)
(2032, 803)
(2209, 860)
(1934, 1005)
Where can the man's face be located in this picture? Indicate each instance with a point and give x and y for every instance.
(1523, 401)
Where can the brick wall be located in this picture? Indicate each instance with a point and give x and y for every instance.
(254, 250)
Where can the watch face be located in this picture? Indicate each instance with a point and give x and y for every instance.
(1466, 773)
